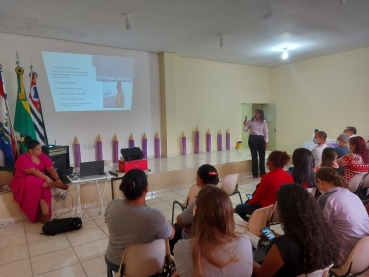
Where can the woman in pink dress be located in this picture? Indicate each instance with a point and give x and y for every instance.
(30, 185)
(358, 161)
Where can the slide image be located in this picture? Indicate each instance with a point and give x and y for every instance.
(81, 82)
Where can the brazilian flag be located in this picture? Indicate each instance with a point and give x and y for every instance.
(23, 123)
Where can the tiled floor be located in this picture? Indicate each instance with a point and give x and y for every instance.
(195, 160)
(25, 252)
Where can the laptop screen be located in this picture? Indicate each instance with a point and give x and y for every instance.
(91, 168)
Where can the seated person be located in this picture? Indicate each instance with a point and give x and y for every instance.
(266, 190)
(303, 168)
(130, 222)
(215, 249)
(206, 175)
(358, 161)
(351, 131)
(342, 141)
(308, 244)
(31, 186)
(317, 151)
(344, 211)
(329, 159)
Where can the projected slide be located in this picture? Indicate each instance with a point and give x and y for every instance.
(89, 82)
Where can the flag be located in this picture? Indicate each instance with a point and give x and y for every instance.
(5, 137)
(36, 111)
(23, 122)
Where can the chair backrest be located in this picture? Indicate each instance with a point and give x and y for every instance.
(275, 217)
(318, 273)
(359, 256)
(142, 260)
(229, 183)
(355, 182)
(192, 193)
(312, 191)
(365, 180)
(259, 219)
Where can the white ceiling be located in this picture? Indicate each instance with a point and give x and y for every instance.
(309, 28)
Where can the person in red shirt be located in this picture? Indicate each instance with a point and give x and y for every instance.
(266, 190)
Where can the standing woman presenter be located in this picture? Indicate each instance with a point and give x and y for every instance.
(258, 141)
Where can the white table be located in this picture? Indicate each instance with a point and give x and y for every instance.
(88, 180)
(309, 145)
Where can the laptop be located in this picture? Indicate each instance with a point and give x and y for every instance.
(91, 168)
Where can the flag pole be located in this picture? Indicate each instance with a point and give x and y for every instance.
(10, 117)
(42, 116)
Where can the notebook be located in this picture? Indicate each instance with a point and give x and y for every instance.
(91, 168)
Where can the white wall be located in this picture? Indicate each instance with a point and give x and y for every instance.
(209, 94)
(63, 126)
(328, 93)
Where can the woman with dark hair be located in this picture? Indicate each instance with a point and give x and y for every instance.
(343, 209)
(266, 190)
(329, 159)
(308, 243)
(258, 141)
(303, 168)
(31, 186)
(130, 221)
(206, 175)
(215, 250)
(358, 161)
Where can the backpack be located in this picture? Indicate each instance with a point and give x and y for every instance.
(57, 226)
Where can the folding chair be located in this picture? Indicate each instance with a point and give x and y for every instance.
(357, 263)
(230, 185)
(194, 191)
(318, 273)
(258, 220)
(144, 260)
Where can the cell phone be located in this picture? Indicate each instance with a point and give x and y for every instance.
(249, 196)
(246, 118)
(268, 233)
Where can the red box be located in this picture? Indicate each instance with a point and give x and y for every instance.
(125, 166)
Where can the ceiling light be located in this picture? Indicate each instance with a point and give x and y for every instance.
(128, 24)
(221, 39)
(285, 54)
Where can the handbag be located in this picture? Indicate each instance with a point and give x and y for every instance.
(62, 225)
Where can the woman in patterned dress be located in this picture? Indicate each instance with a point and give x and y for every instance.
(357, 162)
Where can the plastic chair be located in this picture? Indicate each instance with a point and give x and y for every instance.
(230, 185)
(274, 217)
(357, 263)
(318, 273)
(359, 182)
(258, 220)
(192, 193)
(312, 191)
(143, 260)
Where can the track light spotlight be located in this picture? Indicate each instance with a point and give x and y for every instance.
(221, 39)
(128, 24)
(285, 54)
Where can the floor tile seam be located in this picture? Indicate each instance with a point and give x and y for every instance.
(29, 254)
(18, 261)
(91, 241)
(59, 269)
(70, 246)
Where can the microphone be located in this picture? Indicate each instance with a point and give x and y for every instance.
(113, 173)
